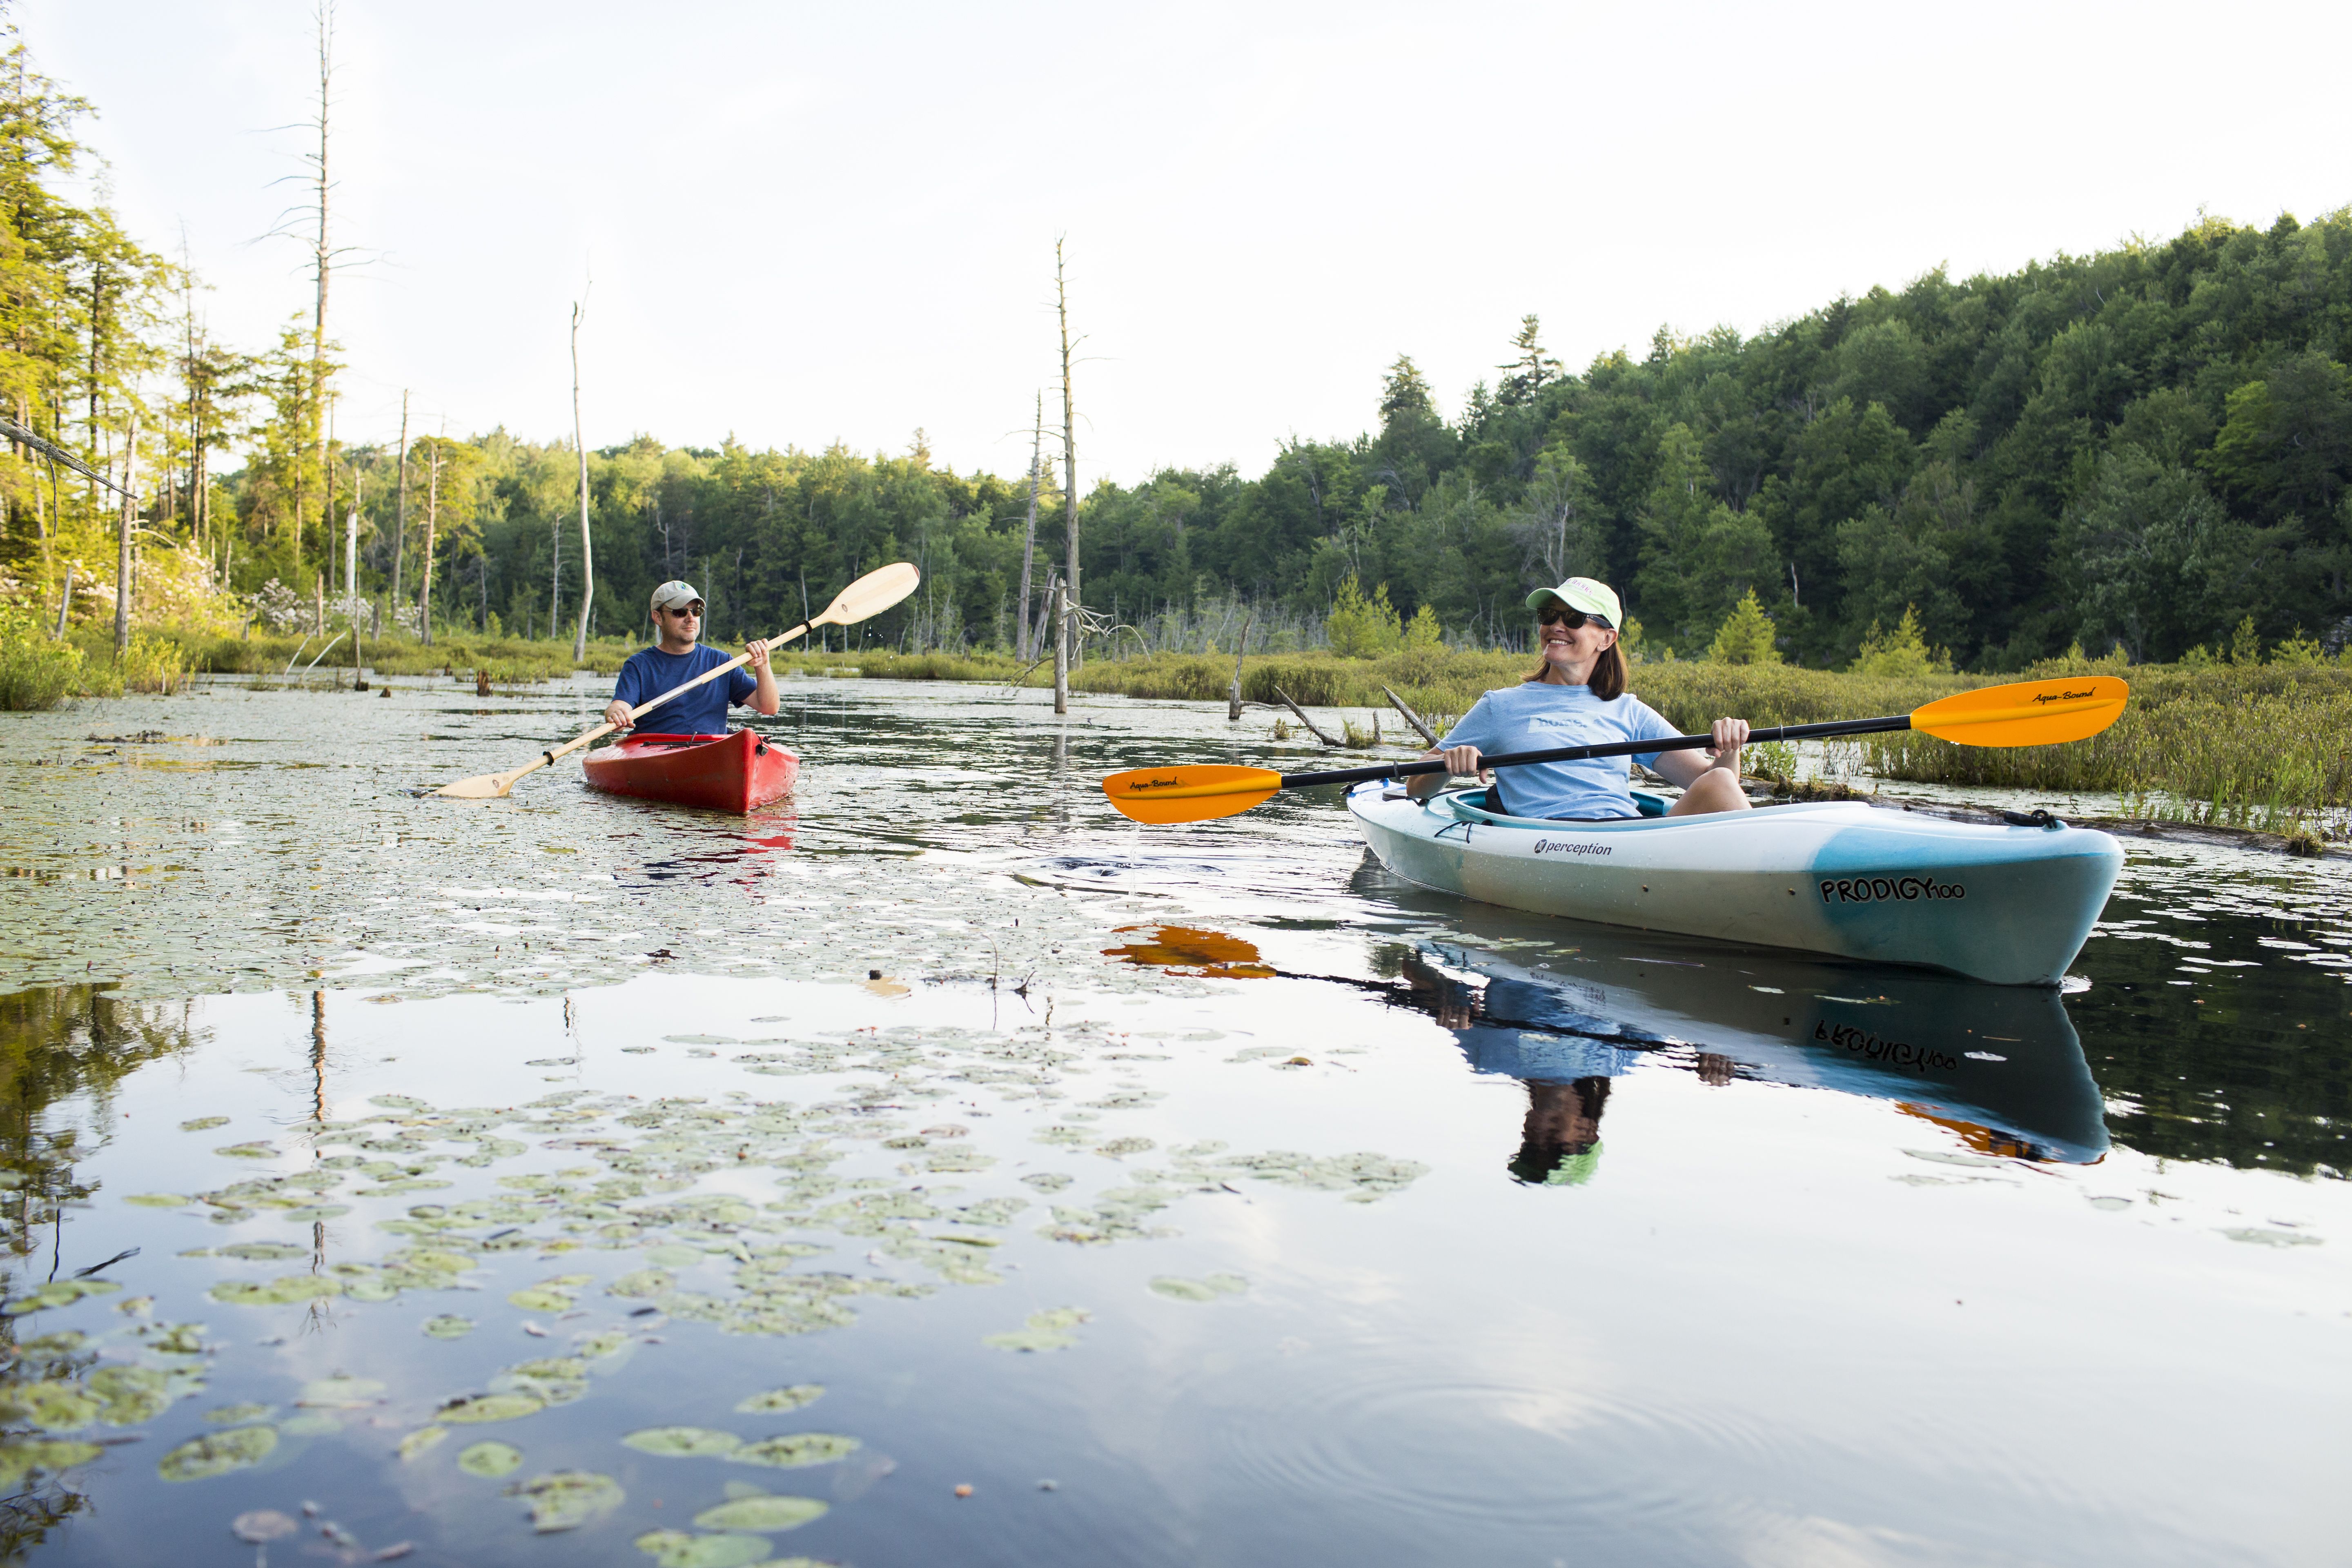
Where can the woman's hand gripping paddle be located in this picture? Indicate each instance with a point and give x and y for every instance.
(868, 597)
(2028, 713)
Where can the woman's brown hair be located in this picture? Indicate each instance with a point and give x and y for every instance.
(1609, 674)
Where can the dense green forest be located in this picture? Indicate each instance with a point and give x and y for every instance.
(2135, 450)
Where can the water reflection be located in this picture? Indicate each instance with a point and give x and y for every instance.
(58, 1045)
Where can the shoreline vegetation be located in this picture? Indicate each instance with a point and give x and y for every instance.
(2236, 745)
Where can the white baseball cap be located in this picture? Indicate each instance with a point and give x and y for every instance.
(1596, 599)
(675, 595)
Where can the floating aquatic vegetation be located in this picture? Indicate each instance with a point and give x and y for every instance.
(1117, 1148)
(1177, 1289)
(644, 1284)
(248, 1152)
(2262, 1236)
(233, 1415)
(1048, 1181)
(762, 1514)
(203, 1123)
(1046, 1330)
(155, 1200)
(470, 1409)
(796, 1449)
(418, 1441)
(779, 1399)
(132, 1394)
(568, 1498)
(261, 1525)
(312, 1214)
(555, 1295)
(678, 1549)
(58, 1293)
(254, 1251)
(492, 1460)
(282, 1291)
(683, 1442)
(340, 1393)
(218, 1453)
(21, 1456)
(49, 1406)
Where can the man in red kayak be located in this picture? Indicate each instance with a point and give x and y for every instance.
(677, 657)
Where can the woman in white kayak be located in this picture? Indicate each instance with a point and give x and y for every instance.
(1577, 697)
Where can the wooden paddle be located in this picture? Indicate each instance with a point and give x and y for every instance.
(868, 597)
(2029, 713)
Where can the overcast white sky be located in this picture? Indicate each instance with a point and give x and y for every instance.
(816, 222)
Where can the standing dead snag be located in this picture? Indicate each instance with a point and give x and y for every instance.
(432, 525)
(1025, 640)
(1066, 625)
(400, 526)
(122, 537)
(587, 556)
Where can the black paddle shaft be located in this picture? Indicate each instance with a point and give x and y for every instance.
(1612, 749)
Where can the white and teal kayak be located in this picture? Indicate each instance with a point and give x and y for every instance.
(2006, 904)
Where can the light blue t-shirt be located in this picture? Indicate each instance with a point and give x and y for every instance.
(701, 712)
(1536, 716)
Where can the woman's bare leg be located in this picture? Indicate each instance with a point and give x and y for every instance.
(1714, 789)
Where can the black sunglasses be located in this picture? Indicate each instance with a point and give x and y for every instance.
(1557, 614)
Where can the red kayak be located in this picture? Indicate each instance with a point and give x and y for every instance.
(738, 772)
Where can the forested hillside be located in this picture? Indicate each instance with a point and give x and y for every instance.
(2141, 447)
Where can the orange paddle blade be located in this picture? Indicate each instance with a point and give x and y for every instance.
(2029, 713)
(1189, 795)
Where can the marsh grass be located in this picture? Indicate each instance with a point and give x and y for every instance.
(36, 673)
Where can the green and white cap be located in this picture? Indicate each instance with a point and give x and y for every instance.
(675, 595)
(1596, 599)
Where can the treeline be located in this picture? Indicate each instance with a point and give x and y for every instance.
(2136, 450)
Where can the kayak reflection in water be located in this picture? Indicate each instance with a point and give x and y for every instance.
(678, 658)
(1577, 697)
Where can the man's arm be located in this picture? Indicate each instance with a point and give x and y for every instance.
(616, 713)
(764, 696)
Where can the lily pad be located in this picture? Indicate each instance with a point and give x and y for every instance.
(156, 1200)
(568, 1498)
(262, 1251)
(58, 1293)
(683, 1442)
(1226, 1284)
(472, 1409)
(776, 1399)
(672, 1255)
(796, 1449)
(256, 1151)
(50, 1406)
(341, 1393)
(203, 1123)
(448, 1326)
(312, 1213)
(398, 1102)
(1181, 1290)
(237, 1414)
(764, 1513)
(1046, 1330)
(21, 1455)
(491, 1460)
(218, 1453)
(642, 1285)
(537, 1299)
(279, 1292)
(678, 1549)
(418, 1441)
(261, 1525)
(137, 1393)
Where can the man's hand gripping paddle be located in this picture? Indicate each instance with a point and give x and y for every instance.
(2029, 713)
(868, 597)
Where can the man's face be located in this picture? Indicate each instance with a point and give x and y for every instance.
(681, 625)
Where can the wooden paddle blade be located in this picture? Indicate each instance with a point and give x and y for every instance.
(2029, 713)
(872, 594)
(1189, 795)
(483, 786)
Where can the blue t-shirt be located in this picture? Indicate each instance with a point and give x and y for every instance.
(1536, 716)
(701, 712)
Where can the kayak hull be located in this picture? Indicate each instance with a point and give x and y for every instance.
(738, 772)
(2009, 905)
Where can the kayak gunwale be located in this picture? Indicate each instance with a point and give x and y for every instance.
(742, 772)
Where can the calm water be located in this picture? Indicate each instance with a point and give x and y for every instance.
(564, 1180)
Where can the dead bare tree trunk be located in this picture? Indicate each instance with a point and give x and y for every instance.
(323, 263)
(1233, 698)
(432, 527)
(122, 538)
(1062, 618)
(1022, 639)
(1071, 597)
(400, 515)
(587, 551)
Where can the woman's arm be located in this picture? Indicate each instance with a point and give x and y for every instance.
(1684, 768)
(1460, 762)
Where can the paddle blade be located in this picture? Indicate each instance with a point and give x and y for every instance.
(871, 594)
(483, 786)
(2029, 713)
(1189, 795)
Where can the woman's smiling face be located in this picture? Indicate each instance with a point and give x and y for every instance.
(1571, 650)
